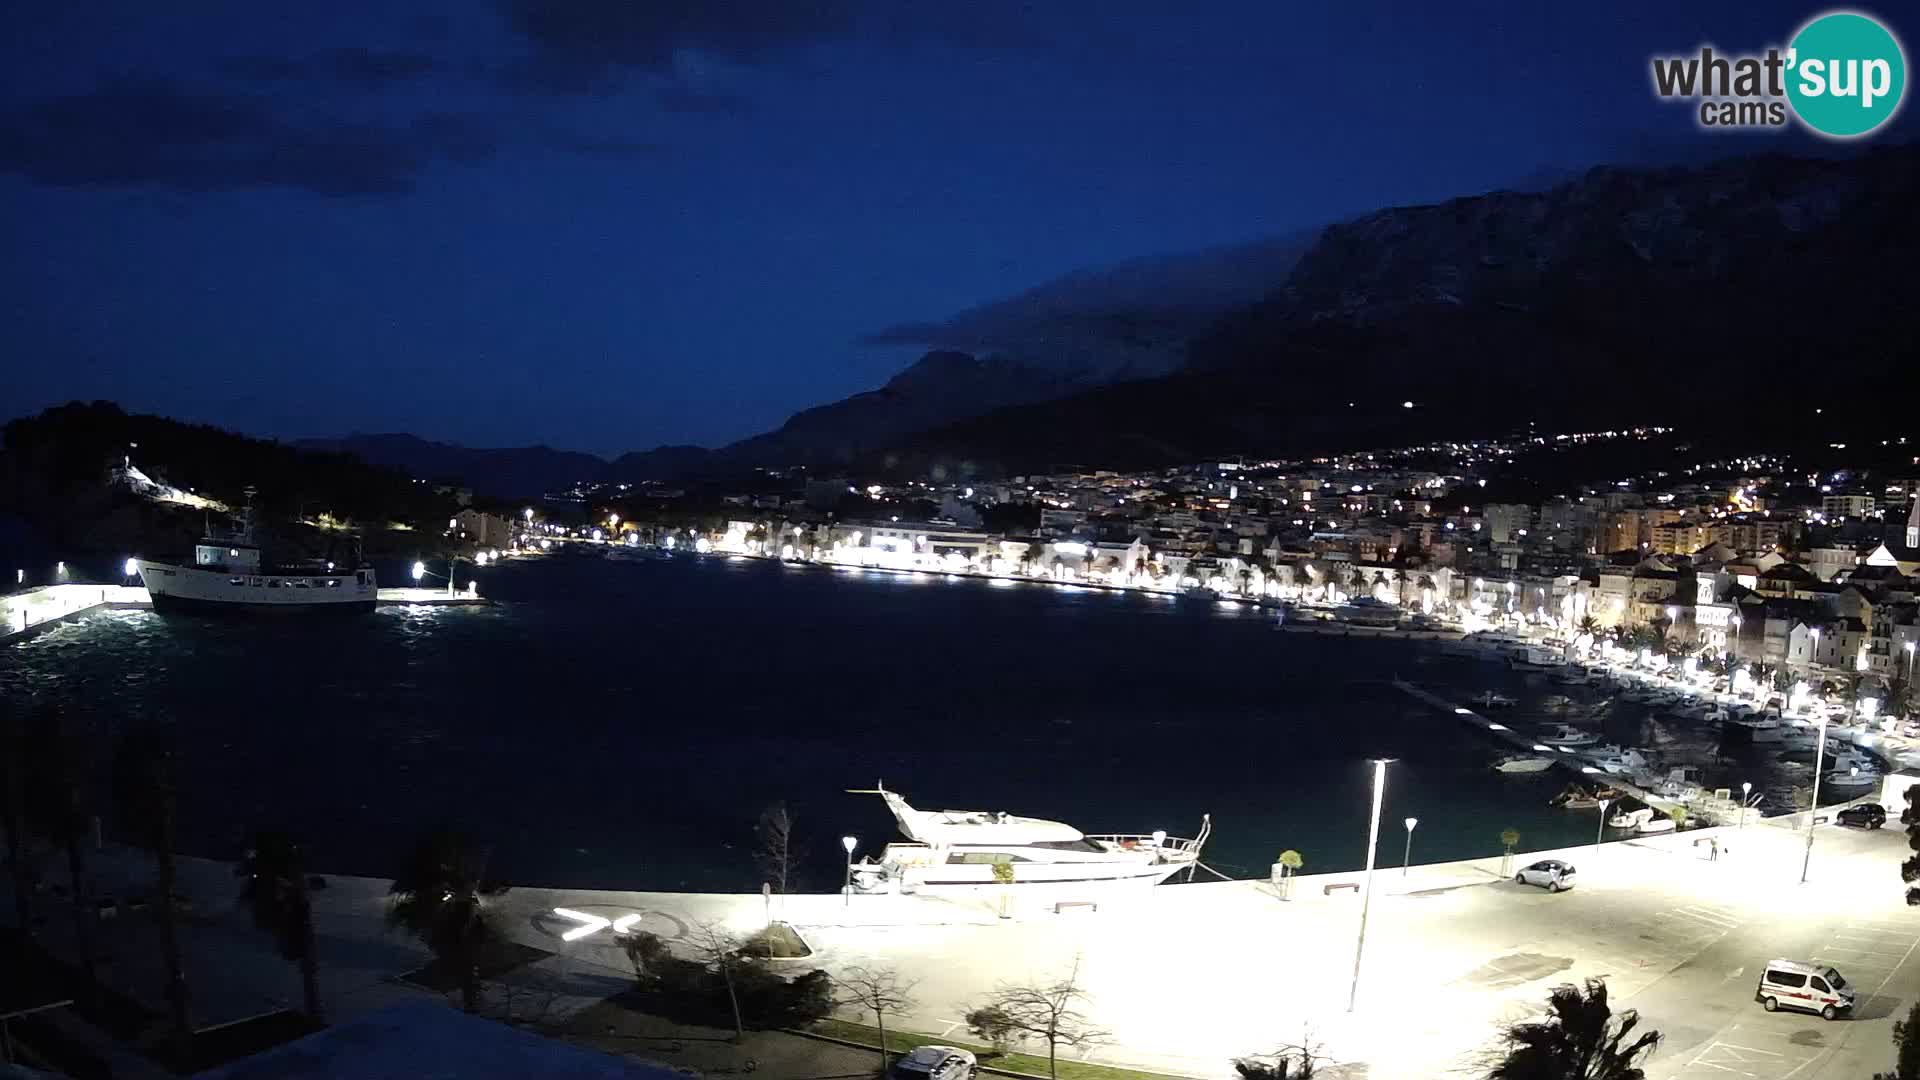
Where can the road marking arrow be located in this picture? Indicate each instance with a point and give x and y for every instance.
(589, 924)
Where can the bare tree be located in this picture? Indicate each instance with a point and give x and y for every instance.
(879, 991)
(776, 852)
(720, 948)
(1048, 1011)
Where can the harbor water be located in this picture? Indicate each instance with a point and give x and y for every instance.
(622, 725)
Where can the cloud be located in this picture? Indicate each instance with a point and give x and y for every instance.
(374, 66)
(353, 66)
(150, 132)
(681, 98)
(595, 36)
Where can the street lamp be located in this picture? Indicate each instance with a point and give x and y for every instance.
(1407, 856)
(1813, 810)
(849, 842)
(1909, 661)
(1366, 900)
(131, 568)
(1600, 831)
(419, 570)
(1746, 798)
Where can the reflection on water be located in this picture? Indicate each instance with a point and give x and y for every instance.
(622, 724)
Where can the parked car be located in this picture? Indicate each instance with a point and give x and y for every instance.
(935, 1063)
(1791, 984)
(1869, 815)
(1550, 874)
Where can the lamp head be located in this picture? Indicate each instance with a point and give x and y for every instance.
(849, 842)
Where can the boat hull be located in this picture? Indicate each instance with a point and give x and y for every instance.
(189, 605)
(190, 589)
(971, 875)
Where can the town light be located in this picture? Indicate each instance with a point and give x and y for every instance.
(1407, 856)
(849, 842)
(1366, 901)
(419, 570)
(529, 513)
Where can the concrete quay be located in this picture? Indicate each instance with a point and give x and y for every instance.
(29, 611)
(1187, 977)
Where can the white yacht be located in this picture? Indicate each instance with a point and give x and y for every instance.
(230, 572)
(960, 848)
(1524, 763)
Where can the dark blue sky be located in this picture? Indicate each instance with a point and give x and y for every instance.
(611, 224)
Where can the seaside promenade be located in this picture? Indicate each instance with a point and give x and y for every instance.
(1187, 977)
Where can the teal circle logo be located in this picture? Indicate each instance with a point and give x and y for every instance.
(1846, 74)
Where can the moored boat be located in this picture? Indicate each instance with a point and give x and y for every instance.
(233, 571)
(961, 847)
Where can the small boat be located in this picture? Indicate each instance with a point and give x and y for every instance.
(1524, 763)
(1854, 779)
(1491, 700)
(1534, 658)
(1658, 823)
(1615, 759)
(1198, 592)
(1562, 735)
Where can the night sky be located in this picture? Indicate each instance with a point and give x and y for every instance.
(612, 224)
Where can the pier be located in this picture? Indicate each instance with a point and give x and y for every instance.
(30, 611)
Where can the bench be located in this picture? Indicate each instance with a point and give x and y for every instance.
(1328, 890)
(1063, 906)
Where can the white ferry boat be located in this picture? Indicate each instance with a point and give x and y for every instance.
(230, 572)
(960, 848)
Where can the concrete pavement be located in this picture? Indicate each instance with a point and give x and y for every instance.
(1187, 977)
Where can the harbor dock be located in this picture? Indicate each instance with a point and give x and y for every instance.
(30, 611)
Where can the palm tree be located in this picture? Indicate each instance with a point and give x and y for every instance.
(440, 897)
(276, 893)
(1357, 584)
(1589, 626)
(1579, 1040)
(144, 800)
(51, 793)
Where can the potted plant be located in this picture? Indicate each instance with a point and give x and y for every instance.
(1288, 865)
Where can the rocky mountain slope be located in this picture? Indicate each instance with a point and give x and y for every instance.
(1749, 291)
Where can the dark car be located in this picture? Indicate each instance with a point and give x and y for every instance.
(1869, 815)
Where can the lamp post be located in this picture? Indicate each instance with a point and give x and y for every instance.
(849, 842)
(1407, 856)
(1366, 895)
(1746, 798)
(1600, 831)
(1819, 764)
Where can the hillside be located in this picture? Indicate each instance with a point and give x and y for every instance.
(1745, 292)
(505, 473)
(56, 474)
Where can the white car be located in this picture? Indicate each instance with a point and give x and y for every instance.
(1550, 874)
(935, 1063)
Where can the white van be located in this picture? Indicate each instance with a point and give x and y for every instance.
(1790, 984)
